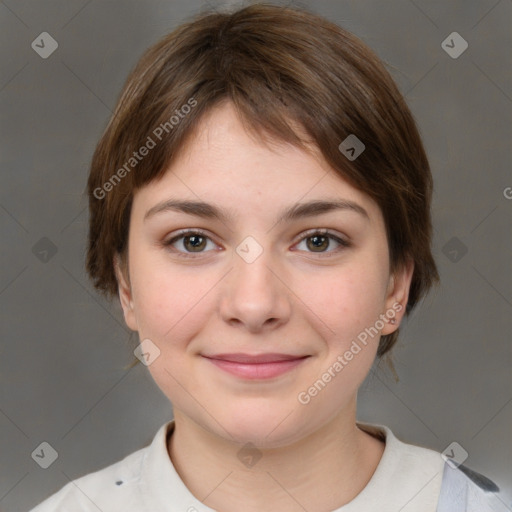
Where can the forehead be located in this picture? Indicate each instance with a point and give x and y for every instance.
(225, 164)
(222, 128)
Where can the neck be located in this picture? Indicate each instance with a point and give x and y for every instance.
(322, 471)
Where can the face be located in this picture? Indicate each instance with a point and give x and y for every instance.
(250, 282)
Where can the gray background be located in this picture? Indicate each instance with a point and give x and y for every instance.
(63, 349)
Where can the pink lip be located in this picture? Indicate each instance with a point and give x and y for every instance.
(239, 357)
(262, 366)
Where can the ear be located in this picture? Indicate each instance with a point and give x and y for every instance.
(397, 296)
(125, 293)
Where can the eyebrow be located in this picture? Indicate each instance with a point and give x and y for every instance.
(294, 212)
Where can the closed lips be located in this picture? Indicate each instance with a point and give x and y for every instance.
(255, 359)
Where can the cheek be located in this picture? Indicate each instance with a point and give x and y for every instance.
(347, 300)
(168, 302)
(171, 308)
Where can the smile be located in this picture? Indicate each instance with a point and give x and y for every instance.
(257, 370)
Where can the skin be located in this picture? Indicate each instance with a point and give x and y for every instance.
(291, 299)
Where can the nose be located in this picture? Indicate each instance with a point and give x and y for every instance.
(255, 296)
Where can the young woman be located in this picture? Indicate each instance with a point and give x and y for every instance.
(260, 203)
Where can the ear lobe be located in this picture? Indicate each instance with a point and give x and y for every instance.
(125, 294)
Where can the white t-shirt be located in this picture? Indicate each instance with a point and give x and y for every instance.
(408, 478)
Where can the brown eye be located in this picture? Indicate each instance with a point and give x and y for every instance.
(317, 243)
(320, 241)
(188, 242)
(195, 243)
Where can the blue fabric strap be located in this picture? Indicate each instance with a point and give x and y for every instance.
(465, 490)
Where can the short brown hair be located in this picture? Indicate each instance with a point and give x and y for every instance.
(280, 67)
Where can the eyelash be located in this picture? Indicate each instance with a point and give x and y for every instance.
(309, 234)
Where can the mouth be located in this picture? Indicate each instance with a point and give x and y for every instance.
(261, 366)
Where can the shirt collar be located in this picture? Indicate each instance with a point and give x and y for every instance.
(163, 489)
(161, 486)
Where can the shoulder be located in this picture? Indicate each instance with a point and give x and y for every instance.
(109, 489)
(408, 476)
(444, 486)
(403, 457)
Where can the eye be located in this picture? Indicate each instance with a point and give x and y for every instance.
(195, 241)
(320, 239)
(192, 240)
